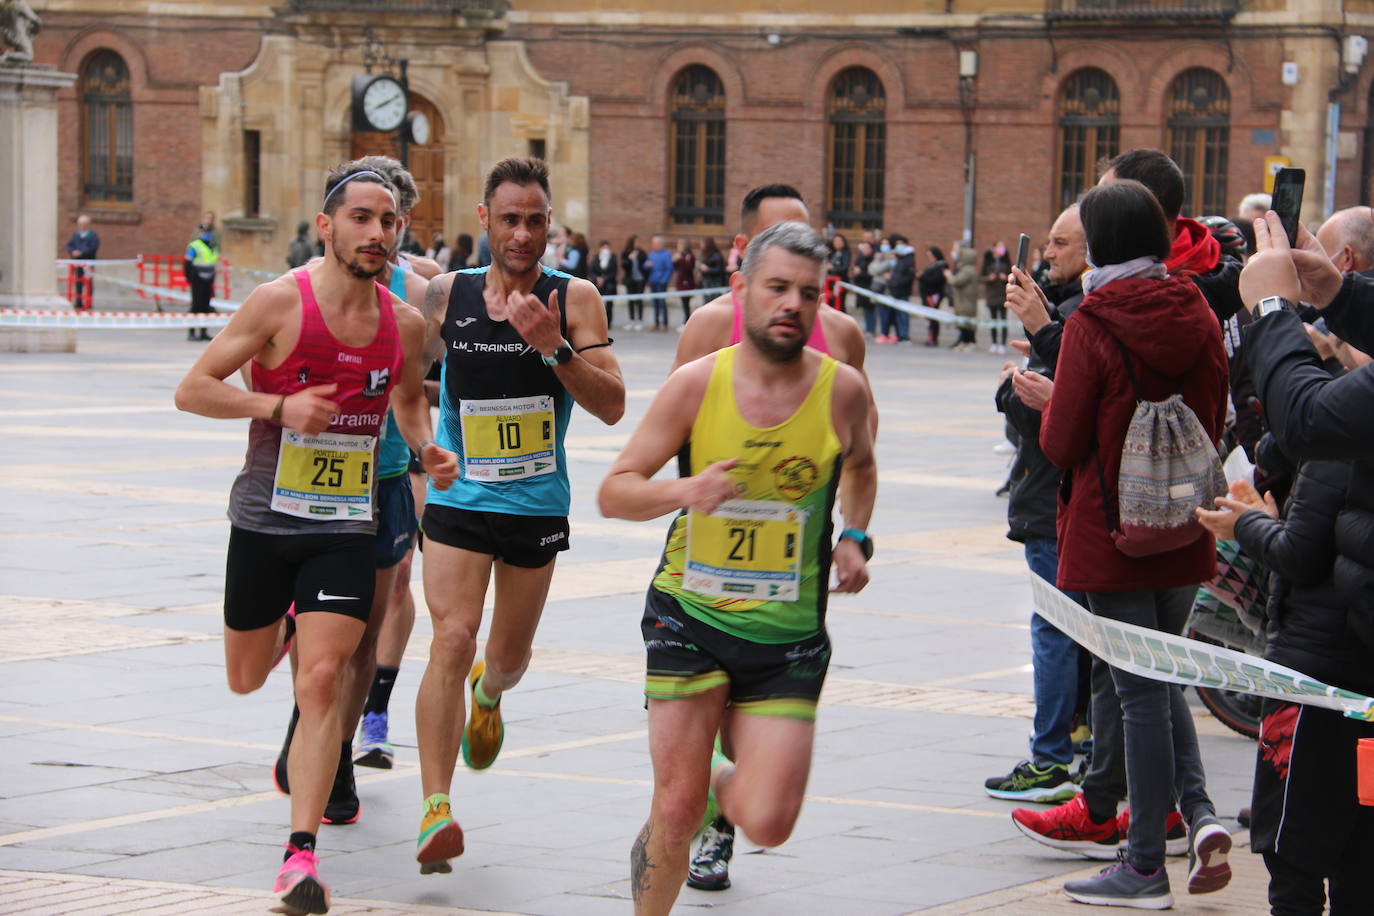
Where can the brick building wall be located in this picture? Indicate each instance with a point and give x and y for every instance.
(776, 118)
(169, 59)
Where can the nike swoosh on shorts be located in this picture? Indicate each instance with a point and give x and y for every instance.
(321, 596)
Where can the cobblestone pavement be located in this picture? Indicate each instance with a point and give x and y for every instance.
(133, 781)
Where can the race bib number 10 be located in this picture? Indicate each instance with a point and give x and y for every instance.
(507, 439)
(328, 476)
(748, 549)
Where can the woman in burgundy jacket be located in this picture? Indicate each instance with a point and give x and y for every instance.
(1174, 346)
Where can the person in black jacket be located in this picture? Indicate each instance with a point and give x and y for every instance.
(933, 289)
(1305, 814)
(1311, 414)
(900, 282)
(602, 272)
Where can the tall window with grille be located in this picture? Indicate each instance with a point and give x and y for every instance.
(1089, 130)
(697, 147)
(1367, 169)
(1199, 106)
(858, 150)
(107, 129)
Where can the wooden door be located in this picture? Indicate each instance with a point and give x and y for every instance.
(426, 165)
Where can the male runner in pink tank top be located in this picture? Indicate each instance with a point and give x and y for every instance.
(328, 346)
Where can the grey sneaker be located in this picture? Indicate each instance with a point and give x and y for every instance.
(1208, 869)
(1119, 884)
(710, 868)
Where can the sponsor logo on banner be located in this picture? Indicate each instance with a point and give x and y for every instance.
(324, 510)
(737, 587)
(795, 477)
(510, 472)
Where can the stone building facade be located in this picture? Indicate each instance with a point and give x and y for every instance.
(918, 116)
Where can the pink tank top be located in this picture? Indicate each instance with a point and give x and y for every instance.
(365, 376)
(816, 341)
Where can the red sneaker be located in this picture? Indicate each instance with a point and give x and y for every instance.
(299, 886)
(1070, 827)
(1175, 833)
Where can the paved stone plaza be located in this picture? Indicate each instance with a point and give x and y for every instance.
(132, 780)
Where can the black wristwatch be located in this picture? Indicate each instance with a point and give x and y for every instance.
(860, 537)
(561, 357)
(1270, 304)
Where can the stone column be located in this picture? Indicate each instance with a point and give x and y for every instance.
(28, 220)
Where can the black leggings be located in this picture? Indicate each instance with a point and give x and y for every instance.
(998, 313)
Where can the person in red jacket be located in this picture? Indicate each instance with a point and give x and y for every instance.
(1174, 345)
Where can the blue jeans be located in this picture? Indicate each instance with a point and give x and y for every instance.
(1055, 658)
(870, 318)
(1162, 754)
(660, 305)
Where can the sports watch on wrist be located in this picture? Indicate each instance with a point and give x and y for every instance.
(561, 356)
(1270, 304)
(860, 537)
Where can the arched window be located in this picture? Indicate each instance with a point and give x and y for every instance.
(1089, 130)
(697, 170)
(858, 141)
(107, 129)
(1199, 134)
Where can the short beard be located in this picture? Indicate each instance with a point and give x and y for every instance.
(774, 351)
(355, 268)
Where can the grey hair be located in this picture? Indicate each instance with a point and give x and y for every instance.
(797, 238)
(1257, 201)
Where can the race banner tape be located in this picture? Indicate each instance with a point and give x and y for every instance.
(1179, 660)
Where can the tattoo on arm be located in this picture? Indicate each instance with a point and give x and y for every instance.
(436, 300)
(640, 863)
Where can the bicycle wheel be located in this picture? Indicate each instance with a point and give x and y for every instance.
(1239, 712)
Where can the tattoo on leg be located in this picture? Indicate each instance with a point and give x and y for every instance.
(640, 863)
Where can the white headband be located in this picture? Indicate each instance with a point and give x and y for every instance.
(347, 180)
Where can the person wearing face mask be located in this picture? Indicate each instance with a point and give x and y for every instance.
(963, 290)
(878, 269)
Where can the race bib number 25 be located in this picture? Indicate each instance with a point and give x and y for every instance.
(328, 476)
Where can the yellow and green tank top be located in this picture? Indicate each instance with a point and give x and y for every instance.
(759, 566)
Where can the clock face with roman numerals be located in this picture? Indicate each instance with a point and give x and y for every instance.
(384, 104)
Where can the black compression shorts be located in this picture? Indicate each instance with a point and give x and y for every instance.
(266, 573)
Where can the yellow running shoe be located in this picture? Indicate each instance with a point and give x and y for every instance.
(485, 732)
(441, 838)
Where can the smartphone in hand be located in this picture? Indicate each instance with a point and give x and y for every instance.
(1022, 255)
(1287, 200)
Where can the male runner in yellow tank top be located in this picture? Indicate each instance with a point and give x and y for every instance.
(734, 624)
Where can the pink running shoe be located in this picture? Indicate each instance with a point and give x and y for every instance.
(299, 885)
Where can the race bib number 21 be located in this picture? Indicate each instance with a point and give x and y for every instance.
(749, 549)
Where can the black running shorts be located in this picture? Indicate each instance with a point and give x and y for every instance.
(687, 657)
(266, 573)
(396, 521)
(528, 541)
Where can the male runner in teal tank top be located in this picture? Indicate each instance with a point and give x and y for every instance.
(522, 343)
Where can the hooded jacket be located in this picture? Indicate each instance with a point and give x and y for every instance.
(1308, 629)
(1314, 416)
(1174, 344)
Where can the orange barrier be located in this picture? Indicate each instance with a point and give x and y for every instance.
(166, 271)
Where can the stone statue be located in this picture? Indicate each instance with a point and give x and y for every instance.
(18, 24)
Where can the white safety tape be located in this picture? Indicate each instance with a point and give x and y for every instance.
(82, 262)
(227, 305)
(29, 318)
(1179, 660)
(922, 311)
(710, 294)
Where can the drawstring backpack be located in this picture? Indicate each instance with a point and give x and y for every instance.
(1169, 468)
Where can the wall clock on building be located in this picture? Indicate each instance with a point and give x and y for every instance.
(417, 128)
(379, 103)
